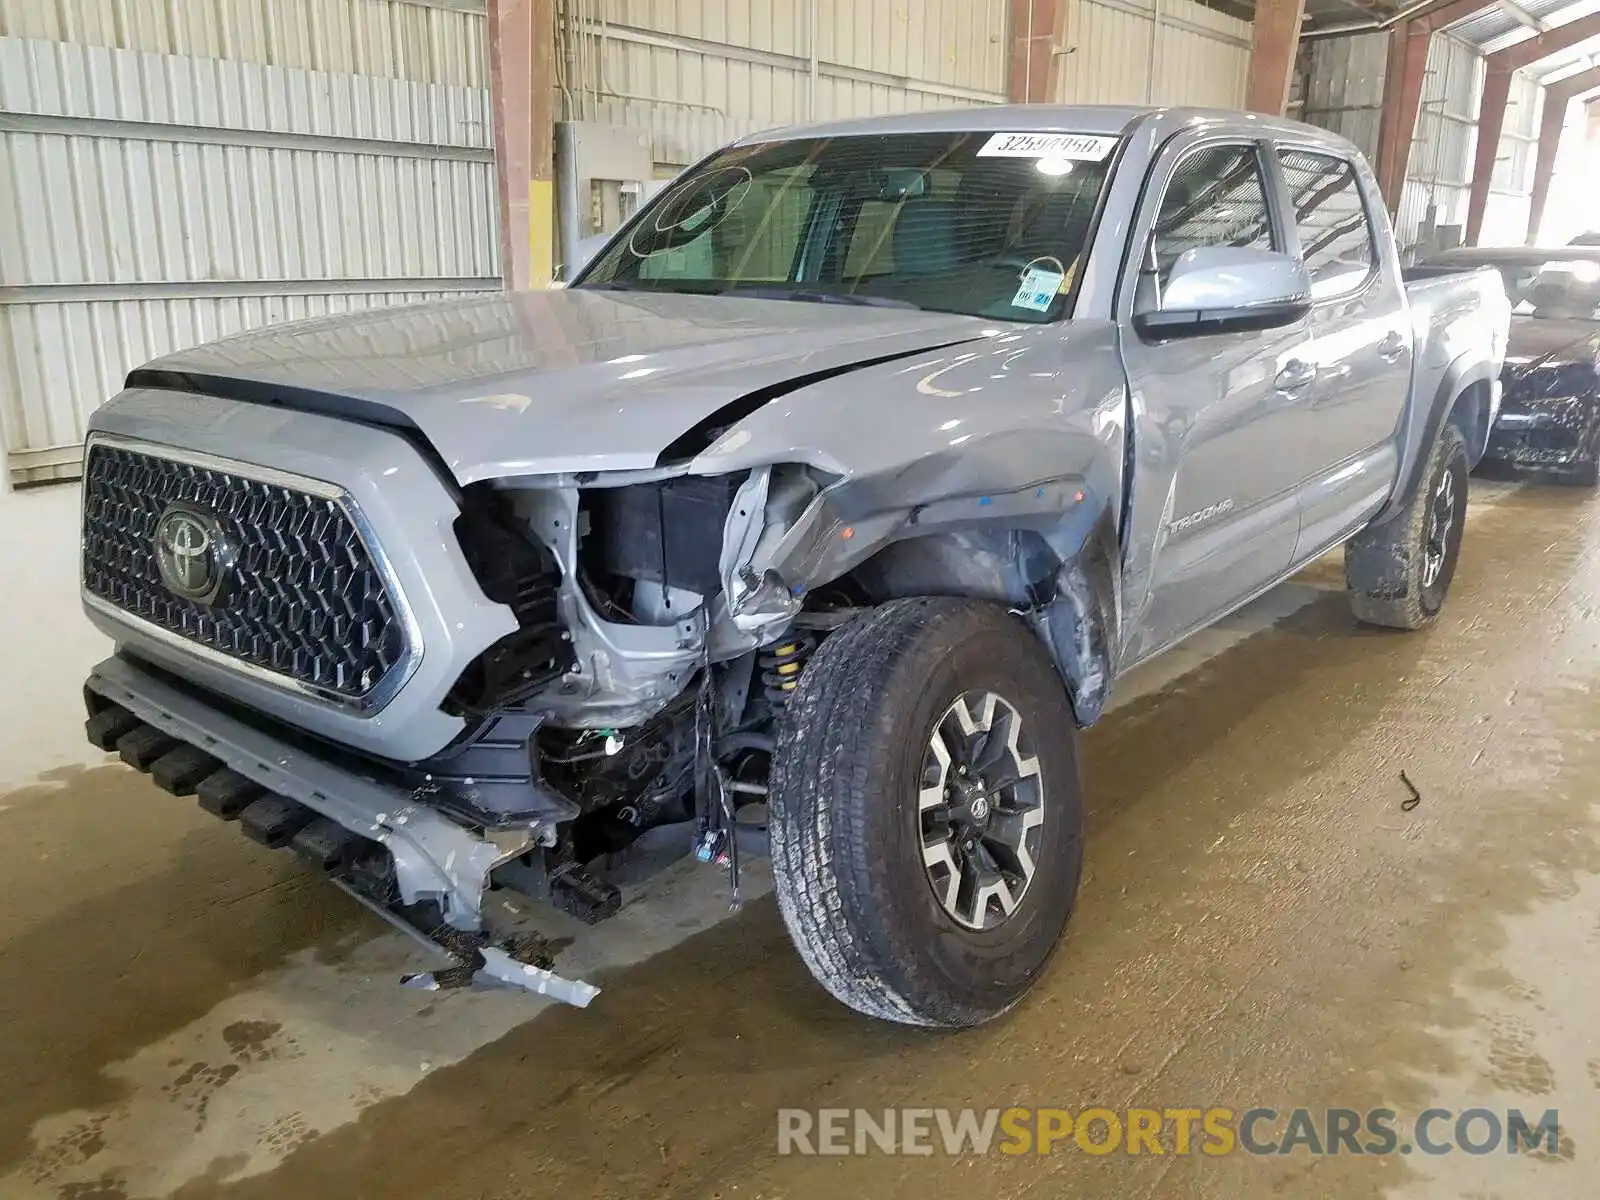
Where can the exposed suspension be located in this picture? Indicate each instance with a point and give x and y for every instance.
(782, 664)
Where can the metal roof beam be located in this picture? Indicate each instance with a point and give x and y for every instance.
(1522, 16)
(1497, 90)
(1402, 89)
(1557, 97)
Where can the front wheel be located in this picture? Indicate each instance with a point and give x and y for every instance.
(1398, 572)
(926, 817)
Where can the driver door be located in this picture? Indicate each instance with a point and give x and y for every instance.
(1215, 474)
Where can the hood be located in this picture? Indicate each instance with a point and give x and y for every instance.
(558, 381)
(1549, 341)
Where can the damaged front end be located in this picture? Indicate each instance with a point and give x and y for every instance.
(412, 865)
(625, 700)
(1549, 418)
(435, 682)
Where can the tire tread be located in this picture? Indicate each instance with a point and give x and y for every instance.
(1381, 563)
(836, 735)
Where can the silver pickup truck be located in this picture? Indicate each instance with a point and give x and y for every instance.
(829, 499)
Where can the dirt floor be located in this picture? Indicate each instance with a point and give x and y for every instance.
(1262, 924)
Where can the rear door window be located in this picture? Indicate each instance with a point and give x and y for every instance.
(1335, 233)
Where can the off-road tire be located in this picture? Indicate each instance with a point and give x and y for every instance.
(1384, 563)
(844, 815)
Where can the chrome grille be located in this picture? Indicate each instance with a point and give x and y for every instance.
(303, 597)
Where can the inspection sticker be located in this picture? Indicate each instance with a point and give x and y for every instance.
(1038, 290)
(1088, 147)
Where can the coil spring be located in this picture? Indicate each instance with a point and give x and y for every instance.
(781, 666)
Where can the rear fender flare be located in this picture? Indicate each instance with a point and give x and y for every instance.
(1460, 378)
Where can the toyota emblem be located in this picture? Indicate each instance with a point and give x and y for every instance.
(190, 554)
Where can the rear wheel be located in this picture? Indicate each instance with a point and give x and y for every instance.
(926, 818)
(1398, 572)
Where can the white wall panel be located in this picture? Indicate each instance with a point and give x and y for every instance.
(386, 38)
(1199, 56)
(158, 200)
(1344, 92)
(59, 360)
(960, 43)
(700, 72)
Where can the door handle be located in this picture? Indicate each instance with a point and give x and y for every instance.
(1393, 346)
(1296, 374)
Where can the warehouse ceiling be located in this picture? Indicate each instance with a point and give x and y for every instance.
(1500, 24)
(1504, 26)
(1319, 13)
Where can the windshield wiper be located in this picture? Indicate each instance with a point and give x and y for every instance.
(765, 292)
(648, 285)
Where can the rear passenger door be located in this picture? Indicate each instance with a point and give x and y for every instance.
(1216, 466)
(1360, 346)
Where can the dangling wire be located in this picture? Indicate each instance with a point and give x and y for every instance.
(716, 830)
(731, 829)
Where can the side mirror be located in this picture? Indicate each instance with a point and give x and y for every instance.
(1228, 289)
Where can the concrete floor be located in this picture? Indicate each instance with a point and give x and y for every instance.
(1261, 923)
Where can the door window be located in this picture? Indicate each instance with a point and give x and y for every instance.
(1216, 197)
(1335, 234)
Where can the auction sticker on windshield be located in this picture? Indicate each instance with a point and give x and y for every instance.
(1038, 289)
(1088, 147)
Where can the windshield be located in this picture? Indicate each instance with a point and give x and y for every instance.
(1564, 289)
(987, 224)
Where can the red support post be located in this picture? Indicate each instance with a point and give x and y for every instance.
(522, 35)
(1031, 75)
(1275, 36)
(1555, 115)
(1402, 102)
(1491, 120)
(1402, 90)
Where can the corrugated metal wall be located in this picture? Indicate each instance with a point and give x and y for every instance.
(216, 164)
(1505, 216)
(1344, 92)
(700, 72)
(183, 171)
(438, 42)
(1199, 56)
(1439, 176)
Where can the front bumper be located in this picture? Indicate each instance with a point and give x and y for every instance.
(407, 514)
(1542, 437)
(414, 866)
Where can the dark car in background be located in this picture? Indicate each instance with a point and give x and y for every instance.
(1549, 418)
